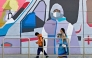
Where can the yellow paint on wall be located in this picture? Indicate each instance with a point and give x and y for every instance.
(11, 4)
(2, 22)
(8, 5)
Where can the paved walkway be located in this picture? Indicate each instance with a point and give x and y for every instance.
(26, 56)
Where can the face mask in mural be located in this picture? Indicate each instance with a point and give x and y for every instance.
(56, 14)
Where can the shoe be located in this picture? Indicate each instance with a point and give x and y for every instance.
(47, 56)
(37, 57)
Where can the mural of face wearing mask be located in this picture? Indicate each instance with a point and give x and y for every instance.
(56, 13)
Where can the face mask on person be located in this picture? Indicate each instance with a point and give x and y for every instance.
(56, 14)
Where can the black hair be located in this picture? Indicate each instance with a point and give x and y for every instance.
(63, 31)
(36, 33)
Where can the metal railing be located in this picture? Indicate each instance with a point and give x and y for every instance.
(69, 56)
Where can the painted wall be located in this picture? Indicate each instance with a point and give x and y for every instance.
(37, 16)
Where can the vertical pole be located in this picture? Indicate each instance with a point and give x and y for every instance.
(69, 48)
(83, 17)
(83, 49)
(3, 49)
(28, 48)
(83, 26)
(43, 48)
(54, 46)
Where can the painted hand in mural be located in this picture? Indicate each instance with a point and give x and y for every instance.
(10, 7)
(12, 20)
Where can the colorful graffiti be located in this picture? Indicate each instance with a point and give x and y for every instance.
(20, 21)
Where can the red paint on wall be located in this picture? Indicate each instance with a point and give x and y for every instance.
(26, 39)
(6, 44)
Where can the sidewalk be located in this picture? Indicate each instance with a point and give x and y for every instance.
(26, 56)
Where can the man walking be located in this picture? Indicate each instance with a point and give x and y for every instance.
(40, 45)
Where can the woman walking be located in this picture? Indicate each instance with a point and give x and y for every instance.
(63, 49)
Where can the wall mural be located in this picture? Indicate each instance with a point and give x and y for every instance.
(20, 21)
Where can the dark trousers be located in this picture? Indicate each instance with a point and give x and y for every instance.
(40, 49)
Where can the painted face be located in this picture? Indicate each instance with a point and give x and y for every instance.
(56, 14)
